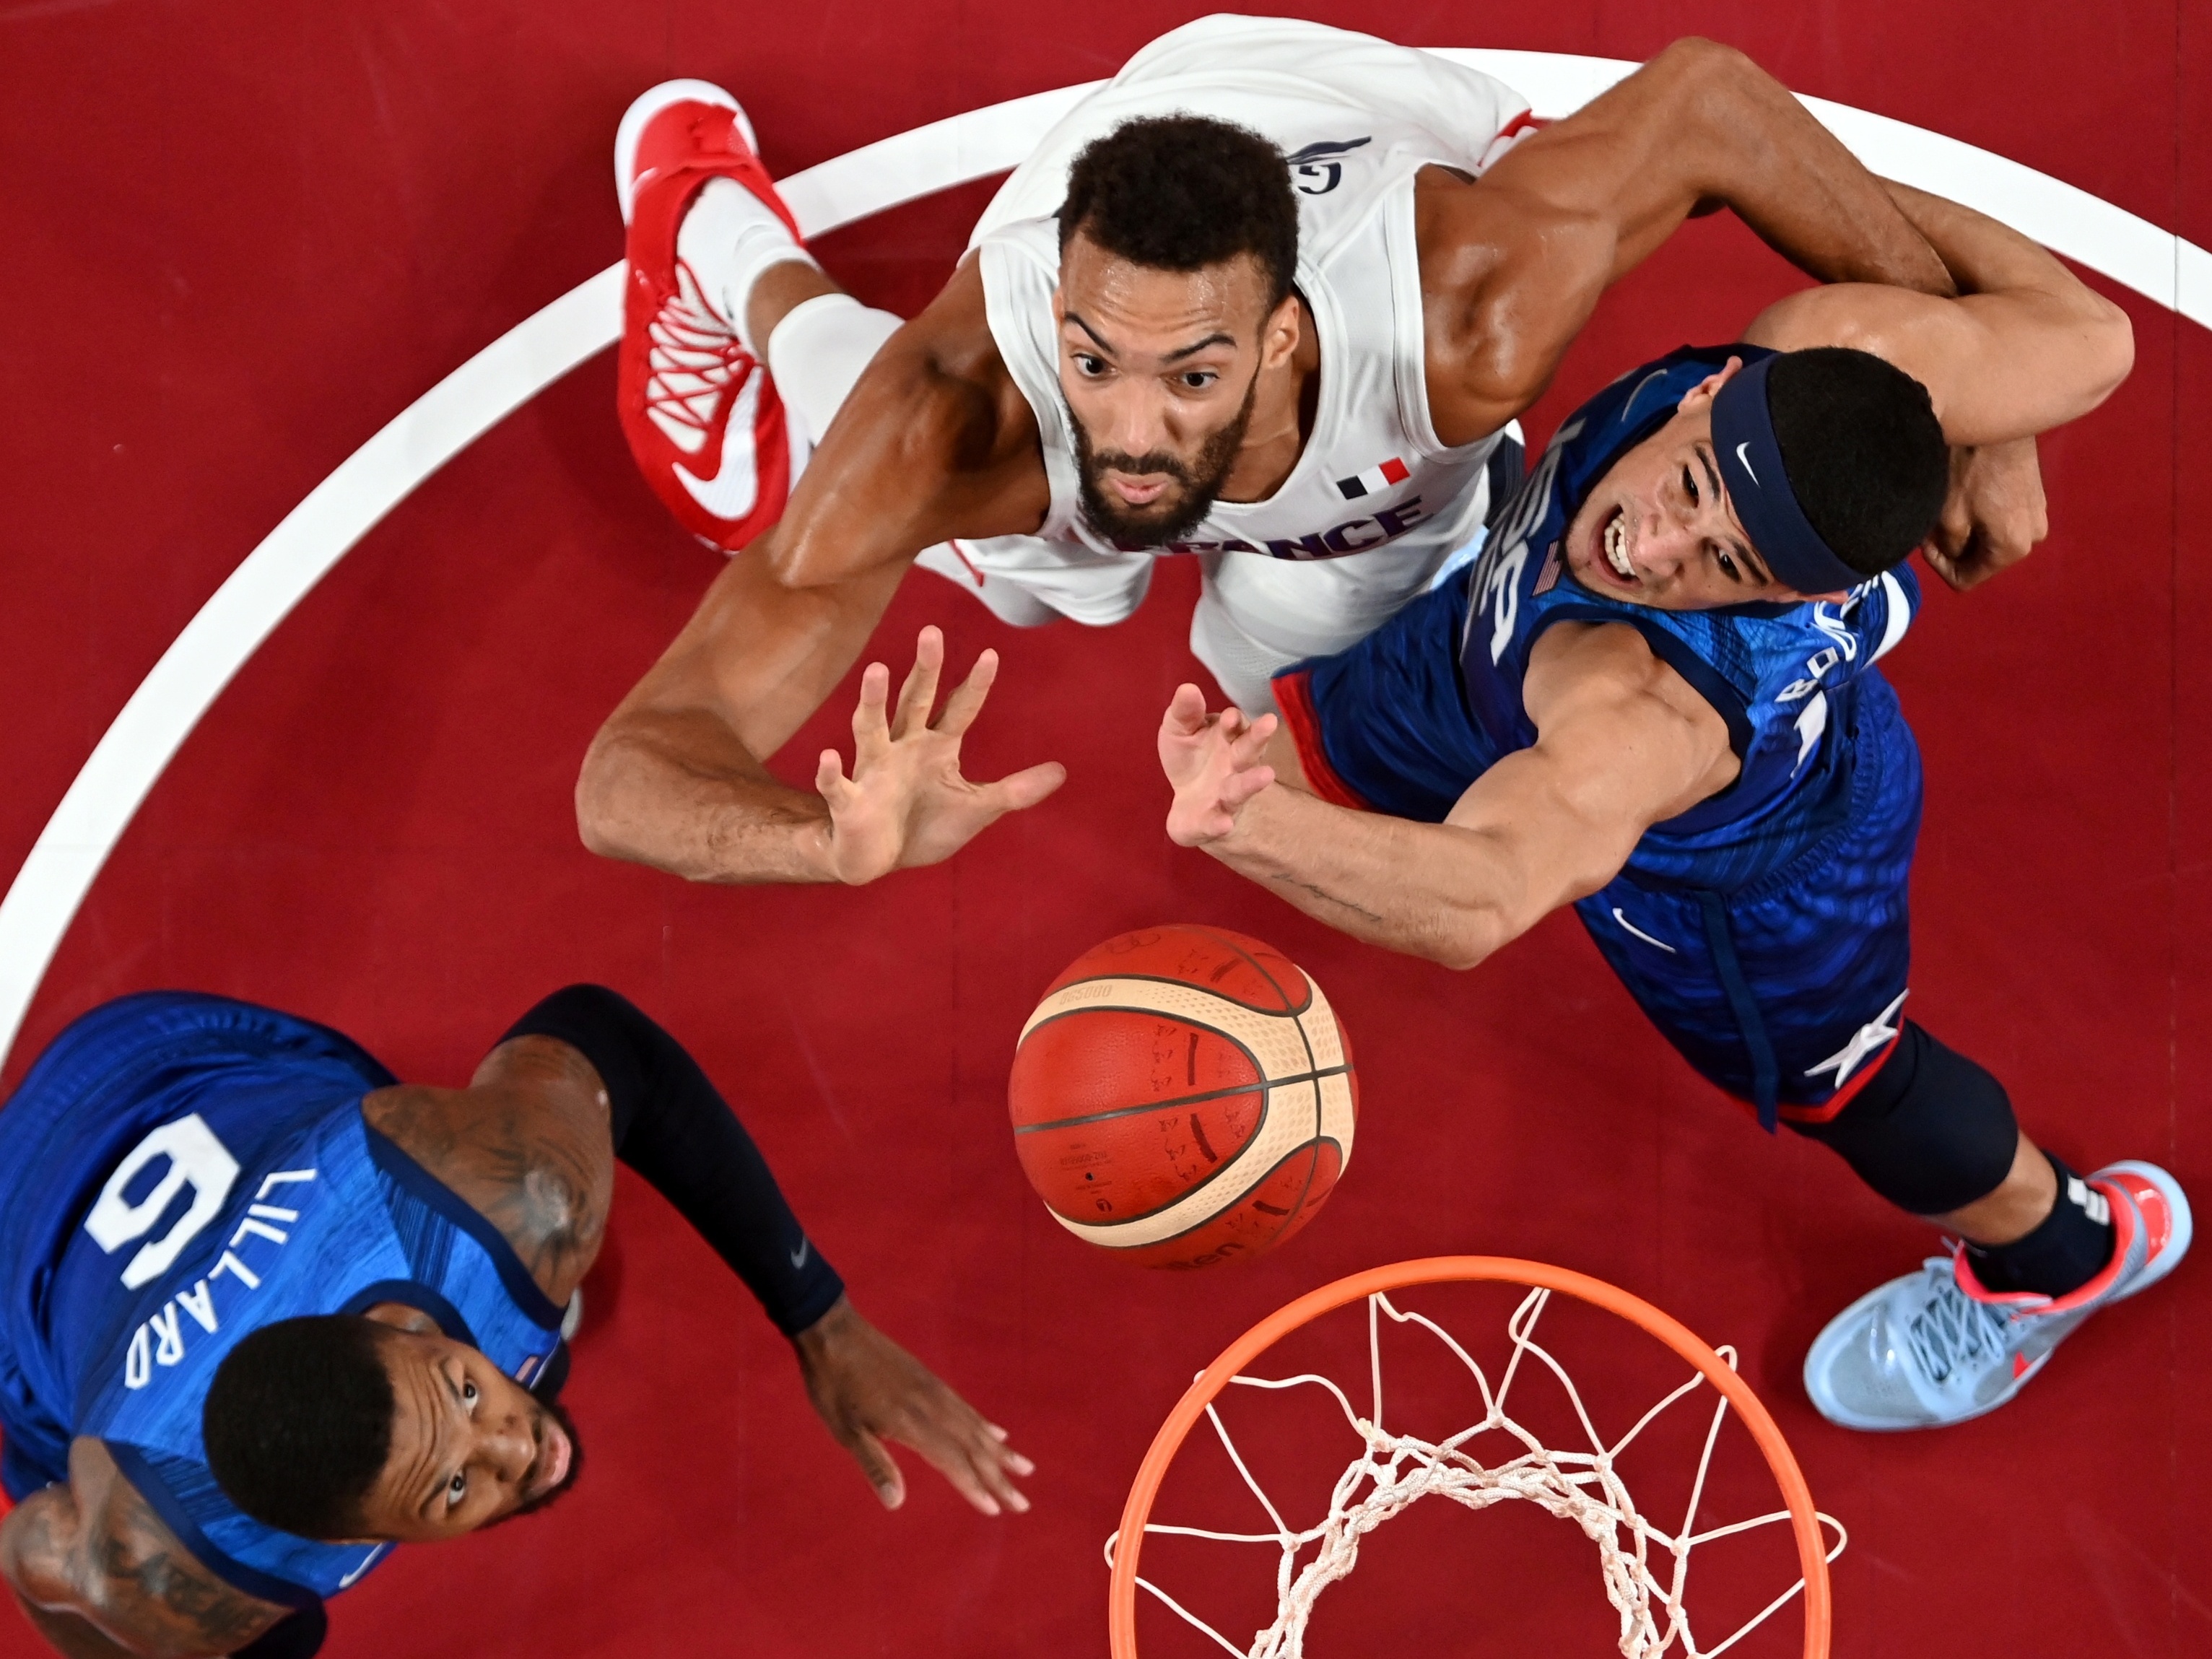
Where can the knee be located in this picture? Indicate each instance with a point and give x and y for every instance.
(1931, 1131)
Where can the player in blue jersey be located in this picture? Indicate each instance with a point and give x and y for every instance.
(264, 1311)
(1653, 696)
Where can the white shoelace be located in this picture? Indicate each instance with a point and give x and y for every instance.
(694, 356)
(1952, 1330)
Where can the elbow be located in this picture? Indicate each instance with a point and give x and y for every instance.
(1465, 937)
(599, 819)
(2115, 347)
(1459, 955)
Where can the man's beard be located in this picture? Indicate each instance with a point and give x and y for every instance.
(559, 1414)
(1155, 525)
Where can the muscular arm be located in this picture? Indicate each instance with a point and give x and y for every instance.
(99, 1575)
(1624, 743)
(1512, 265)
(2025, 346)
(935, 440)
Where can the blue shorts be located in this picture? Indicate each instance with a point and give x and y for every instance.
(1784, 990)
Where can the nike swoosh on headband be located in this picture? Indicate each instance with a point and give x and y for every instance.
(1746, 460)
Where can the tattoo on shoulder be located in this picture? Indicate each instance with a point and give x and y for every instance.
(541, 1199)
(526, 1145)
(151, 1580)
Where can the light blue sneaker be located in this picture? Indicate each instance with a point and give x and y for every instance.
(1934, 1347)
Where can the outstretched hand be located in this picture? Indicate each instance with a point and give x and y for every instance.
(907, 802)
(1993, 516)
(1215, 762)
(869, 1389)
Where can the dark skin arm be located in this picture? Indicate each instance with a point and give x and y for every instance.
(1512, 266)
(527, 1145)
(935, 440)
(98, 1574)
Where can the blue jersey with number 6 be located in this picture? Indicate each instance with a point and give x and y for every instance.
(178, 1170)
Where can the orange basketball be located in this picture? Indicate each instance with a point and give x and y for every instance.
(1183, 1095)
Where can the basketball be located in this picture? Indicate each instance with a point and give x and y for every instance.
(1183, 1095)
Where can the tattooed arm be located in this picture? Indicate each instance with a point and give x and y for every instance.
(99, 1574)
(526, 1144)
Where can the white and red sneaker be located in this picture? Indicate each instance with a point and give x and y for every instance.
(1938, 1346)
(700, 414)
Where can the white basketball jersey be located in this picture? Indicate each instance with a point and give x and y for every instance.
(1359, 119)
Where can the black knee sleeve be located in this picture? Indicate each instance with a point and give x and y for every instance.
(1931, 1131)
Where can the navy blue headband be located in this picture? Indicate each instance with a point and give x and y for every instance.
(1759, 490)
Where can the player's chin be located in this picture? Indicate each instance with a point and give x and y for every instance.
(1152, 525)
(552, 1494)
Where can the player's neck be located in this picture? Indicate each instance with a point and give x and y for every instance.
(1282, 406)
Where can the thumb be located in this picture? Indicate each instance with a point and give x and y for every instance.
(881, 1468)
(1186, 713)
(1028, 785)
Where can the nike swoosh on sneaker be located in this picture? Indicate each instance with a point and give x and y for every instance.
(734, 488)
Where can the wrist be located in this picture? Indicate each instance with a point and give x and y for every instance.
(814, 847)
(816, 1342)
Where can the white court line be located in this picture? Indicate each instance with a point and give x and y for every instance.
(376, 477)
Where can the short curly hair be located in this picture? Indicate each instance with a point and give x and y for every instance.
(1180, 192)
(297, 1423)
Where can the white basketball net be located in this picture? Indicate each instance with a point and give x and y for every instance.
(1646, 1567)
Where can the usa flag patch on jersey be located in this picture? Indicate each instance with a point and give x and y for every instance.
(1375, 480)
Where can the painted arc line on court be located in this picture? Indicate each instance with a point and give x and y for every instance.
(153, 725)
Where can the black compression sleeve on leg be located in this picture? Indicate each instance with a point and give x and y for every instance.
(673, 1129)
(2064, 1251)
(1931, 1131)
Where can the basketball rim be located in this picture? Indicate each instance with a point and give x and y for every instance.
(1804, 1520)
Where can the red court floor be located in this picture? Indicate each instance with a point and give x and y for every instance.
(240, 237)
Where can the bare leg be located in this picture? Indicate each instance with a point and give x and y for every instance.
(781, 290)
(2016, 1208)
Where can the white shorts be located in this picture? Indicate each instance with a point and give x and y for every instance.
(1255, 617)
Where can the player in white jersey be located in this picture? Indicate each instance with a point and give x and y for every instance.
(1271, 296)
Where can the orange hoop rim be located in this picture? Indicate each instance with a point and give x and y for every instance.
(1804, 1519)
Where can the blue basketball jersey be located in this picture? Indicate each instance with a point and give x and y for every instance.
(178, 1170)
(1783, 675)
(1765, 931)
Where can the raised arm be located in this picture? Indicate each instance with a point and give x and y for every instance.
(1513, 265)
(2025, 346)
(1624, 743)
(99, 1575)
(931, 442)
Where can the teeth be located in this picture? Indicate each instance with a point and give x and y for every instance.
(1616, 545)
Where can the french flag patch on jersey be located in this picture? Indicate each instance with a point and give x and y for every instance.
(1375, 480)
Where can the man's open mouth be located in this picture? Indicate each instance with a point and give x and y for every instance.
(1613, 542)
